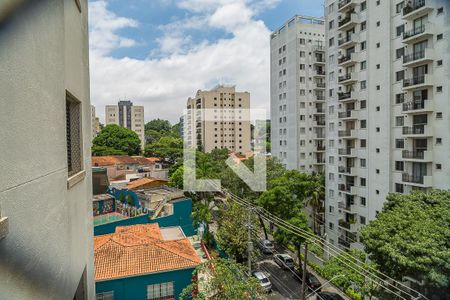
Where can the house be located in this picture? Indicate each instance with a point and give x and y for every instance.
(145, 183)
(118, 167)
(144, 262)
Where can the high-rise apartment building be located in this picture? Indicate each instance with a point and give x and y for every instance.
(127, 115)
(95, 122)
(46, 246)
(387, 107)
(206, 123)
(297, 94)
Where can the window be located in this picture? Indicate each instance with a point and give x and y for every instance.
(363, 124)
(363, 5)
(439, 89)
(378, 66)
(331, 42)
(440, 10)
(399, 121)
(363, 65)
(399, 98)
(378, 24)
(363, 25)
(160, 291)
(362, 201)
(363, 45)
(362, 181)
(440, 36)
(105, 296)
(331, 24)
(438, 141)
(362, 220)
(331, 209)
(378, 45)
(400, 29)
(362, 162)
(438, 167)
(330, 225)
(399, 188)
(400, 75)
(377, 150)
(400, 52)
(73, 135)
(399, 7)
(363, 104)
(362, 143)
(399, 143)
(439, 63)
(439, 115)
(399, 166)
(378, 129)
(378, 87)
(363, 85)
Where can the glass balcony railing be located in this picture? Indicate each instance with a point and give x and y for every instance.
(416, 129)
(414, 81)
(406, 177)
(414, 56)
(343, 96)
(413, 32)
(414, 105)
(413, 154)
(409, 8)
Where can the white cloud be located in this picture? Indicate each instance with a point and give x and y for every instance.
(163, 84)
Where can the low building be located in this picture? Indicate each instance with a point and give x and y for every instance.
(143, 262)
(145, 183)
(118, 167)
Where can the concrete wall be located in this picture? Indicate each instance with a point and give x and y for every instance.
(44, 52)
(136, 287)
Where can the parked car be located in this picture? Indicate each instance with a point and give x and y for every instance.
(284, 261)
(266, 246)
(263, 280)
(329, 296)
(311, 281)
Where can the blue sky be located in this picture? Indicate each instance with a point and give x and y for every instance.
(145, 50)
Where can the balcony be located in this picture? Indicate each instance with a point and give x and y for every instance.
(320, 86)
(417, 9)
(348, 42)
(319, 136)
(417, 180)
(420, 130)
(346, 188)
(349, 21)
(347, 96)
(319, 162)
(418, 33)
(319, 48)
(320, 97)
(319, 123)
(344, 205)
(417, 106)
(347, 134)
(350, 152)
(320, 148)
(348, 60)
(417, 155)
(348, 78)
(318, 111)
(348, 115)
(345, 5)
(319, 73)
(319, 60)
(417, 82)
(344, 170)
(348, 225)
(418, 58)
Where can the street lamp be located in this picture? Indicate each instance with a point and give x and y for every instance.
(320, 287)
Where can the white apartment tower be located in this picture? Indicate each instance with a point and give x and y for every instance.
(388, 115)
(297, 94)
(127, 115)
(95, 123)
(204, 120)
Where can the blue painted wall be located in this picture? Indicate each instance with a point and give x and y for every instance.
(135, 288)
(182, 216)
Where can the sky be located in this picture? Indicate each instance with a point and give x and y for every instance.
(157, 53)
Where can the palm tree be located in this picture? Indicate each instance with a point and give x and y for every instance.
(315, 197)
(202, 215)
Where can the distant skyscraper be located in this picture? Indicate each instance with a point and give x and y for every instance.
(297, 94)
(127, 115)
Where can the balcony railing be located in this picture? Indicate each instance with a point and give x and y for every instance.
(345, 77)
(320, 72)
(346, 224)
(414, 105)
(345, 187)
(414, 81)
(320, 135)
(343, 96)
(414, 56)
(320, 110)
(409, 8)
(320, 84)
(344, 133)
(320, 98)
(413, 154)
(416, 129)
(320, 148)
(319, 48)
(345, 20)
(345, 151)
(344, 40)
(406, 177)
(343, 3)
(413, 32)
(345, 114)
(319, 59)
(343, 169)
(344, 58)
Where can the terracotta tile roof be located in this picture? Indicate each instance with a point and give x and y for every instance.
(138, 250)
(102, 161)
(140, 182)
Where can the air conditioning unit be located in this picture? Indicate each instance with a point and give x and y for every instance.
(4, 227)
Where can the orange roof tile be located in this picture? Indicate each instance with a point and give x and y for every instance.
(138, 250)
(101, 161)
(142, 181)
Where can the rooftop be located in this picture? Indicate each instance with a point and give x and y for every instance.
(103, 161)
(139, 250)
(140, 182)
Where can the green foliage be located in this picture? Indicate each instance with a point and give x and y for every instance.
(158, 125)
(167, 147)
(117, 138)
(122, 197)
(105, 151)
(130, 200)
(202, 214)
(176, 178)
(281, 201)
(226, 280)
(411, 237)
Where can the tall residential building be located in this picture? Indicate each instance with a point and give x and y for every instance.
(388, 114)
(95, 123)
(46, 250)
(209, 134)
(297, 94)
(127, 115)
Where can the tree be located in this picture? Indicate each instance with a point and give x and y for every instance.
(232, 232)
(202, 215)
(225, 280)
(118, 138)
(158, 125)
(411, 237)
(105, 151)
(286, 237)
(280, 201)
(167, 147)
(152, 136)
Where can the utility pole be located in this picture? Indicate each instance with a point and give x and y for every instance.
(249, 242)
(305, 258)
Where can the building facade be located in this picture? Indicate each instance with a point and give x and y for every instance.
(127, 115)
(297, 94)
(46, 194)
(388, 112)
(202, 131)
(95, 122)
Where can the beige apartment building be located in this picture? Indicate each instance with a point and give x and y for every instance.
(46, 226)
(127, 115)
(218, 119)
(297, 94)
(387, 107)
(95, 122)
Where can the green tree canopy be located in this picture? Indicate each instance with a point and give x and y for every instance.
(411, 237)
(118, 138)
(105, 151)
(226, 280)
(167, 147)
(158, 125)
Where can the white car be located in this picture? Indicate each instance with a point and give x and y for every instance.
(266, 246)
(263, 280)
(284, 261)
